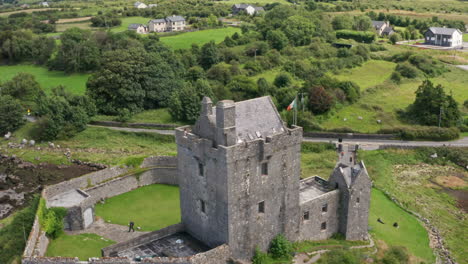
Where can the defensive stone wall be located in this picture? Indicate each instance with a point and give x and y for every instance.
(111, 251)
(349, 135)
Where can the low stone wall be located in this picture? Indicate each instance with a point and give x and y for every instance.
(146, 238)
(83, 181)
(136, 125)
(164, 161)
(32, 240)
(348, 135)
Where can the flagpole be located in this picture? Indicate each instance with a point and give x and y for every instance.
(295, 112)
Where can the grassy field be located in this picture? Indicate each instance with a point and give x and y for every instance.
(375, 104)
(75, 83)
(258, 2)
(410, 233)
(150, 207)
(83, 246)
(185, 40)
(371, 73)
(465, 37)
(126, 21)
(157, 116)
(95, 144)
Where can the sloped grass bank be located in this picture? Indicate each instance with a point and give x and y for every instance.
(150, 207)
(185, 40)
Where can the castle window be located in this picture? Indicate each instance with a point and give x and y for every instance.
(323, 226)
(261, 207)
(324, 208)
(200, 169)
(358, 200)
(336, 185)
(350, 159)
(265, 168)
(306, 215)
(202, 206)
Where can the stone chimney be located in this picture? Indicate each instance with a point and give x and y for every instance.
(226, 123)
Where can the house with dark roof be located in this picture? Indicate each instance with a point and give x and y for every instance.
(249, 9)
(382, 28)
(168, 24)
(139, 28)
(441, 36)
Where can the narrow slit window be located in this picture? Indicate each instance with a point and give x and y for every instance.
(336, 185)
(200, 169)
(323, 226)
(358, 200)
(202, 206)
(265, 168)
(261, 207)
(306, 215)
(324, 208)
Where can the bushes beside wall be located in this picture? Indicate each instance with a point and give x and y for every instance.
(427, 133)
(359, 36)
(51, 219)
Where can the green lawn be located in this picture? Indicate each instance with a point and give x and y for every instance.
(185, 40)
(75, 83)
(126, 21)
(157, 116)
(381, 104)
(83, 246)
(101, 145)
(410, 234)
(270, 76)
(371, 73)
(258, 2)
(151, 207)
(465, 37)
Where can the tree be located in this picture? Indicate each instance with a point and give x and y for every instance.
(432, 104)
(185, 104)
(351, 89)
(242, 88)
(277, 39)
(209, 55)
(11, 114)
(282, 80)
(342, 22)
(394, 38)
(259, 257)
(320, 101)
(362, 23)
(280, 247)
(299, 30)
(23, 87)
(263, 86)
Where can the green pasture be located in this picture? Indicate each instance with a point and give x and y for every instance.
(270, 76)
(150, 207)
(75, 83)
(156, 116)
(185, 40)
(83, 246)
(371, 73)
(96, 144)
(382, 102)
(257, 2)
(465, 37)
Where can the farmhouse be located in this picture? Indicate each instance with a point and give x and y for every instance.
(383, 28)
(249, 9)
(238, 170)
(447, 37)
(168, 24)
(140, 5)
(139, 28)
(44, 4)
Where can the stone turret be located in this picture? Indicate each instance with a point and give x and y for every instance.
(226, 123)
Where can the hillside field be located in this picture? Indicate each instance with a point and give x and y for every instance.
(75, 83)
(185, 40)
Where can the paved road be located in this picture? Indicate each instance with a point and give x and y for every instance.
(368, 144)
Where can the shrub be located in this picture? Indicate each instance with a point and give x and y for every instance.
(280, 247)
(427, 133)
(11, 114)
(51, 219)
(340, 256)
(396, 255)
(259, 257)
(123, 115)
(407, 70)
(394, 38)
(282, 80)
(320, 101)
(396, 77)
(359, 36)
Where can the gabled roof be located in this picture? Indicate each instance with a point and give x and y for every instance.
(443, 31)
(259, 9)
(160, 20)
(387, 30)
(135, 26)
(175, 18)
(377, 24)
(241, 6)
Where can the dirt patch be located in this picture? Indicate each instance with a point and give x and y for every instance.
(382, 247)
(69, 20)
(452, 182)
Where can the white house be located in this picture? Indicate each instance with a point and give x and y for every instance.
(139, 28)
(249, 9)
(382, 28)
(44, 4)
(440, 36)
(140, 5)
(170, 23)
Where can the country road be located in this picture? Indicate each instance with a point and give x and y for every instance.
(367, 144)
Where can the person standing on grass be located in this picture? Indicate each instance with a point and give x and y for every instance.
(131, 226)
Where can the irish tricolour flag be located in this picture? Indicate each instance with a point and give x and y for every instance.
(292, 105)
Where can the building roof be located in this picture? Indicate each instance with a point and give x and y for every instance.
(241, 6)
(259, 9)
(388, 30)
(257, 118)
(175, 18)
(160, 20)
(443, 31)
(135, 26)
(378, 24)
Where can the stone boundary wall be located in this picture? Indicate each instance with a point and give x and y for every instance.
(153, 161)
(33, 237)
(348, 135)
(133, 125)
(146, 238)
(83, 181)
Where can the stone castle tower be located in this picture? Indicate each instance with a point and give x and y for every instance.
(239, 178)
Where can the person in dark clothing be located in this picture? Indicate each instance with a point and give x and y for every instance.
(380, 221)
(131, 226)
(395, 225)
